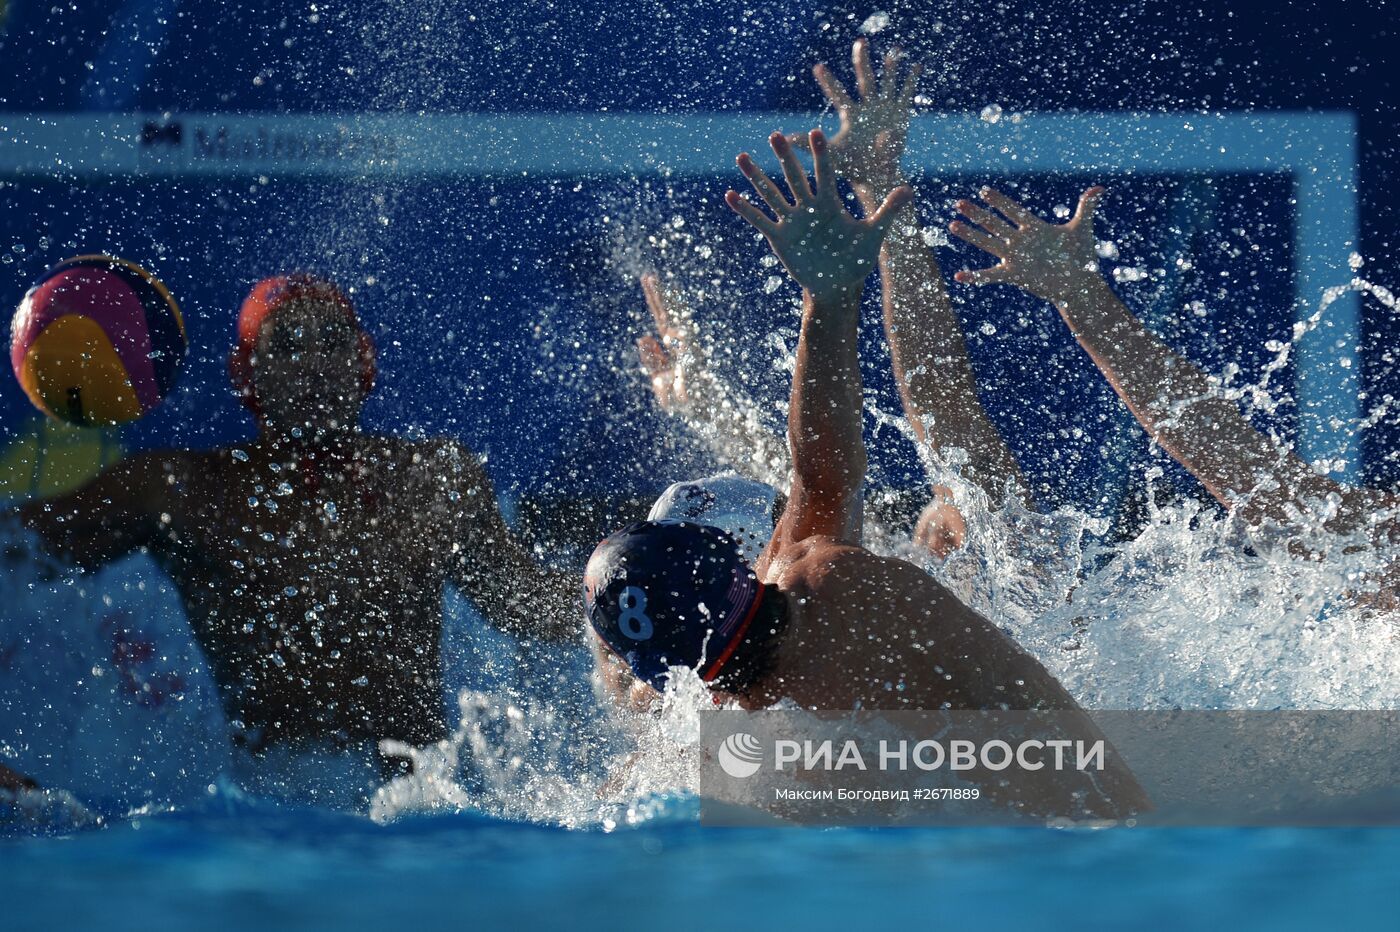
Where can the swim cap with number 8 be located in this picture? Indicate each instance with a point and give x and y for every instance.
(670, 593)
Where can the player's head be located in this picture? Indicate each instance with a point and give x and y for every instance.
(302, 359)
(662, 594)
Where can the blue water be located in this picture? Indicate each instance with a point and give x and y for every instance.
(231, 860)
(242, 865)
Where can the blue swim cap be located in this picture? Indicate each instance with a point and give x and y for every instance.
(671, 593)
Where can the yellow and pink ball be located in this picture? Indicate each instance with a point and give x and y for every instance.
(97, 341)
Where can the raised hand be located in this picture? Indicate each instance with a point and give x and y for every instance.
(678, 365)
(1054, 261)
(669, 355)
(941, 528)
(825, 249)
(874, 126)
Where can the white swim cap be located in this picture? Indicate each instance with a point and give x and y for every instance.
(743, 507)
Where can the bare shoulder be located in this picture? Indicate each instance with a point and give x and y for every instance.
(436, 451)
(451, 477)
(814, 559)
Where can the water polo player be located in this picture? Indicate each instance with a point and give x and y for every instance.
(311, 559)
(818, 619)
(936, 381)
(1262, 483)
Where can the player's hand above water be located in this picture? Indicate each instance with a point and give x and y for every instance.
(825, 249)
(874, 125)
(1054, 261)
(941, 527)
(671, 354)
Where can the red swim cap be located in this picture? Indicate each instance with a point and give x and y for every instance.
(270, 295)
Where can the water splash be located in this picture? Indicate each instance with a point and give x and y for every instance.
(504, 758)
(1194, 612)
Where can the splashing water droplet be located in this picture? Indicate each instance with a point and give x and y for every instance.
(934, 236)
(875, 22)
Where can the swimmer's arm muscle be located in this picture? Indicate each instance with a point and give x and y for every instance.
(932, 370)
(1171, 398)
(109, 517)
(824, 420)
(1176, 404)
(829, 253)
(936, 382)
(501, 577)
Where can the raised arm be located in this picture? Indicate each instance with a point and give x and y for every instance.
(829, 253)
(931, 366)
(112, 515)
(684, 385)
(1171, 398)
(504, 580)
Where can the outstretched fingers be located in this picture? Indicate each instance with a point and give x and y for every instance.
(911, 85)
(996, 273)
(889, 72)
(670, 312)
(793, 171)
(897, 200)
(656, 303)
(1088, 205)
(1012, 209)
(655, 361)
(865, 75)
(985, 219)
(983, 241)
(757, 218)
(834, 90)
(763, 185)
(798, 141)
(822, 170)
